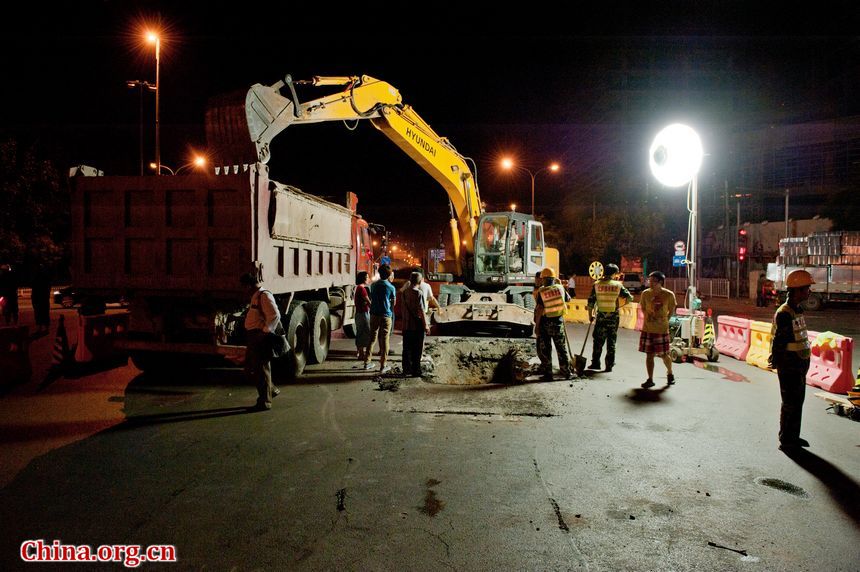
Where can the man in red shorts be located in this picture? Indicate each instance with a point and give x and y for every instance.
(657, 305)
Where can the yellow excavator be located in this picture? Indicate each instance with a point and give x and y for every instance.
(488, 283)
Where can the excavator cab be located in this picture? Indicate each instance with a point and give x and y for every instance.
(509, 249)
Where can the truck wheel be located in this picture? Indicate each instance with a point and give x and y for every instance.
(297, 335)
(813, 303)
(528, 301)
(319, 333)
(675, 354)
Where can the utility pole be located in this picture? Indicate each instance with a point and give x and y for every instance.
(737, 246)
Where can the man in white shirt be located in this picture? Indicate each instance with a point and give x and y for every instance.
(262, 319)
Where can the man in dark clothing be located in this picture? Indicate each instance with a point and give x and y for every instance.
(789, 355)
(415, 325)
(383, 296)
(9, 293)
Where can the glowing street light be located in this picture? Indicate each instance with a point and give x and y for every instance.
(153, 38)
(508, 164)
(198, 162)
(675, 157)
(513, 206)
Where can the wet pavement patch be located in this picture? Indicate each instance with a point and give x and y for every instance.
(730, 375)
(783, 486)
(432, 505)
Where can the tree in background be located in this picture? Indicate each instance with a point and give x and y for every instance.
(34, 210)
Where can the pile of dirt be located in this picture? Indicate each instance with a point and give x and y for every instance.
(473, 361)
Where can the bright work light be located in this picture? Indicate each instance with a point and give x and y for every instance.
(675, 155)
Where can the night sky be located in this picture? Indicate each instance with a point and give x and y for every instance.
(529, 85)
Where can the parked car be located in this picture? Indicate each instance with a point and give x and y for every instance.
(69, 297)
(632, 281)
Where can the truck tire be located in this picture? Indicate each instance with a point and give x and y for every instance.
(297, 336)
(319, 332)
(813, 303)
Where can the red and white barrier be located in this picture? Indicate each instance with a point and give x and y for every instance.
(96, 335)
(733, 336)
(830, 366)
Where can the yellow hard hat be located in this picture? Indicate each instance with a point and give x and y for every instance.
(799, 279)
(547, 273)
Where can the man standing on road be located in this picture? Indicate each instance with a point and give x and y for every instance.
(262, 319)
(608, 295)
(657, 305)
(415, 325)
(789, 355)
(552, 298)
(383, 295)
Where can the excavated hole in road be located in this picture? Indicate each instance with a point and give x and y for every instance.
(474, 361)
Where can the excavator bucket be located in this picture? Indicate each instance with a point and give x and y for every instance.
(227, 137)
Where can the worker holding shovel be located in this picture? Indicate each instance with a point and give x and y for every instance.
(607, 295)
(552, 298)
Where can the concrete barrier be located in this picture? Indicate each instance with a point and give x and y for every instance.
(576, 311)
(759, 349)
(733, 336)
(628, 315)
(830, 365)
(15, 355)
(96, 335)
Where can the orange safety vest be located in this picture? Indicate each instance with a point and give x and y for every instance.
(553, 300)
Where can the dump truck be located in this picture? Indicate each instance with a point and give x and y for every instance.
(833, 260)
(174, 246)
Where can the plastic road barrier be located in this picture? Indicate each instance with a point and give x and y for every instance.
(830, 366)
(15, 355)
(759, 349)
(628, 315)
(96, 335)
(733, 336)
(576, 311)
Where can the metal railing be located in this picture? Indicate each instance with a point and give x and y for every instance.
(710, 287)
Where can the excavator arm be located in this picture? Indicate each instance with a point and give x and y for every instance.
(268, 113)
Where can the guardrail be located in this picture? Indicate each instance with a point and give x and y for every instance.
(710, 287)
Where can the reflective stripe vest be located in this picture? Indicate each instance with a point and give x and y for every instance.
(800, 345)
(553, 300)
(607, 295)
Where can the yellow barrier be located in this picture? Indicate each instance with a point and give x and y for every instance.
(627, 315)
(576, 311)
(759, 344)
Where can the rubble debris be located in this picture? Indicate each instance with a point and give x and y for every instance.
(473, 361)
(341, 498)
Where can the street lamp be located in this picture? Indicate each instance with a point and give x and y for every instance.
(153, 38)
(143, 86)
(508, 164)
(675, 157)
(514, 207)
(198, 162)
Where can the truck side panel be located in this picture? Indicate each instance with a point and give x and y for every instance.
(161, 235)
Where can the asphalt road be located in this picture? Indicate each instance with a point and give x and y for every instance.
(587, 475)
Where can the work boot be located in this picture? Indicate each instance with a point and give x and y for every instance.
(547, 376)
(566, 374)
(594, 365)
(670, 379)
(609, 367)
(648, 383)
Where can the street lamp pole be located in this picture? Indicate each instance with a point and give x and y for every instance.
(154, 38)
(142, 85)
(508, 164)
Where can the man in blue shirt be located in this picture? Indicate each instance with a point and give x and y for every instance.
(382, 298)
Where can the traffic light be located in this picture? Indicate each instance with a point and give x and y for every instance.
(742, 244)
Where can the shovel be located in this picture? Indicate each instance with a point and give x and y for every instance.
(579, 359)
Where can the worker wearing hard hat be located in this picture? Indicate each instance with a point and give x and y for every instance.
(552, 299)
(789, 355)
(607, 295)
